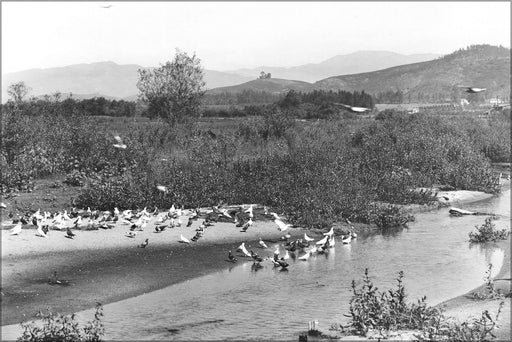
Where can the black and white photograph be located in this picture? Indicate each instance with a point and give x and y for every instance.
(255, 171)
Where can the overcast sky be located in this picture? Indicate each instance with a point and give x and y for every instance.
(230, 35)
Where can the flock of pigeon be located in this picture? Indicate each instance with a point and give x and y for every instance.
(138, 220)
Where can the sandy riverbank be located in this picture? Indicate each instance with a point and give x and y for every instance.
(465, 306)
(105, 266)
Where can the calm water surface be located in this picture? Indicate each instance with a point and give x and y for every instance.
(240, 303)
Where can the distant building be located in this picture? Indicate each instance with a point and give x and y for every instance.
(496, 101)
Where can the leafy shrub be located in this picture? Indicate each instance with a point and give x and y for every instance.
(490, 290)
(61, 328)
(486, 232)
(75, 178)
(373, 310)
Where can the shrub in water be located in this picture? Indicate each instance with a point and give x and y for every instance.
(487, 232)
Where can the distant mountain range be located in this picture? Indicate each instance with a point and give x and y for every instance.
(357, 62)
(480, 66)
(119, 81)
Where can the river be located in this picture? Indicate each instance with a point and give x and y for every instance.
(240, 303)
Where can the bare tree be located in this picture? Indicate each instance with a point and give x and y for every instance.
(17, 91)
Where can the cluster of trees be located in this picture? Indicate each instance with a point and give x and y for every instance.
(265, 76)
(245, 97)
(323, 97)
(98, 106)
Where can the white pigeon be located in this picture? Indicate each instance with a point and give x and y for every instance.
(332, 242)
(16, 229)
(305, 256)
(286, 256)
(323, 241)
(346, 240)
(161, 188)
(281, 226)
(244, 250)
(225, 213)
(37, 215)
(116, 211)
(119, 142)
(307, 238)
(330, 232)
(263, 244)
(40, 231)
(183, 239)
(275, 216)
(251, 215)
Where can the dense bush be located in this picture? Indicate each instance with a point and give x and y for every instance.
(61, 328)
(487, 232)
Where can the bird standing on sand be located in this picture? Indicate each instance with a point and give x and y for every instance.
(183, 239)
(69, 233)
(130, 234)
(231, 258)
(144, 244)
(40, 231)
(307, 238)
(281, 226)
(305, 256)
(16, 230)
(330, 232)
(250, 211)
(247, 225)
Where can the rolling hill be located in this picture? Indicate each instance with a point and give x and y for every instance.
(357, 62)
(479, 66)
(104, 78)
(271, 85)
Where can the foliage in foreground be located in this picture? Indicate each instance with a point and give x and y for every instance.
(372, 310)
(61, 328)
(487, 232)
(490, 291)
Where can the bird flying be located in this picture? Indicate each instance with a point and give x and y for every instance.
(473, 90)
(355, 109)
(161, 188)
(119, 142)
